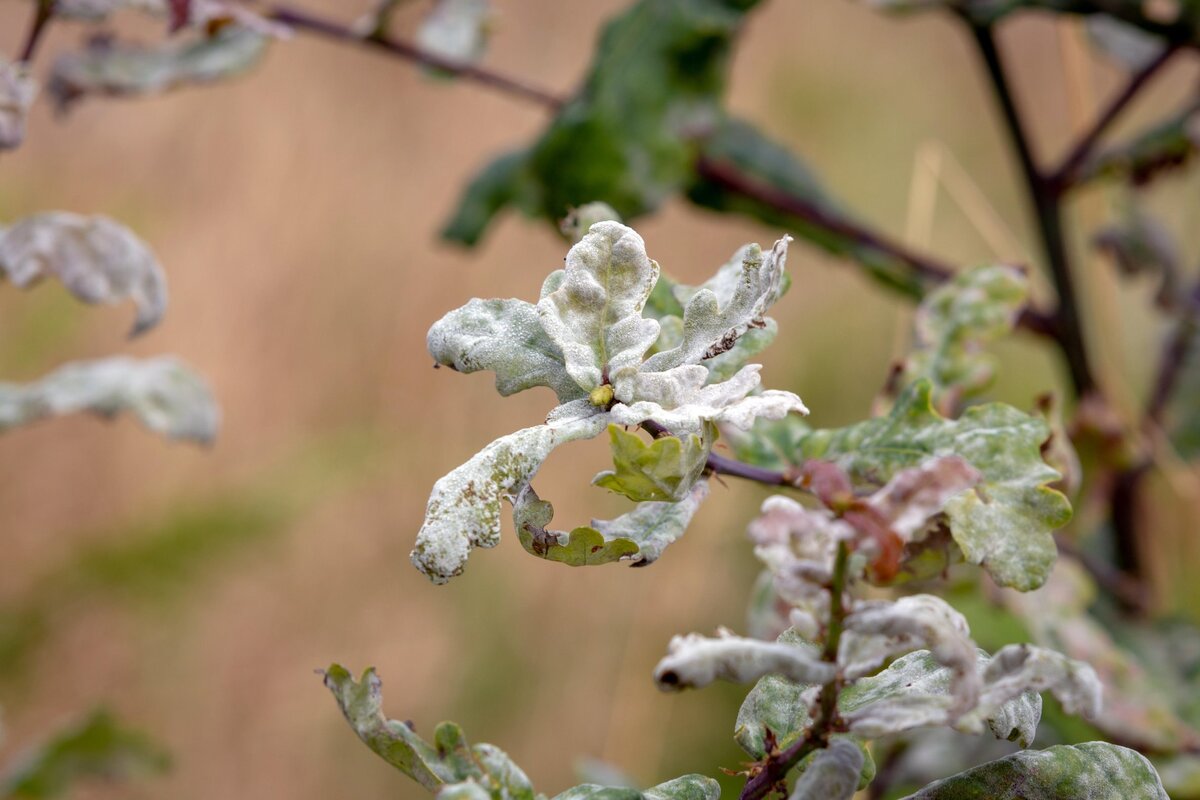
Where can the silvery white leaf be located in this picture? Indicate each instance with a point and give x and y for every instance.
(98, 10)
(456, 29)
(916, 494)
(166, 396)
(710, 328)
(878, 631)
(725, 402)
(1131, 46)
(694, 661)
(504, 337)
(463, 790)
(595, 314)
(97, 259)
(17, 92)
(1018, 668)
(464, 508)
(833, 773)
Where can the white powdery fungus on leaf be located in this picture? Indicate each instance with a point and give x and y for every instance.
(17, 92)
(694, 661)
(1017, 668)
(456, 30)
(464, 509)
(166, 396)
(586, 339)
(97, 259)
(833, 773)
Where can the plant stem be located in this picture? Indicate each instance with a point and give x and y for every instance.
(41, 17)
(302, 20)
(1064, 177)
(1067, 326)
(1175, 354)
(777, 766)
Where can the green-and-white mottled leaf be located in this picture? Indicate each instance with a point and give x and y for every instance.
(663, 470)
(166, 396)
(776, 704)
(448, 763)
(17, 91)
(832, 774)
(1089, 770)
(955, 322)
(694, 661)
(724, 366)
(504, 337)
(1006, 523)
(96, 748)
(464, 508)
(688, 787)
(456, 30)
(116, 69)
(595, 316)
(640, 535)
(97, 259)
(712, 322)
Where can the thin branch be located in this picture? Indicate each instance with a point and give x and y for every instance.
(1068, 329)
(774, 771)
(1175, 354)
(1064, 177)
(41, 17)
(304, 21)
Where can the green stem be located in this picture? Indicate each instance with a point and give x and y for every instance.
(775, 770)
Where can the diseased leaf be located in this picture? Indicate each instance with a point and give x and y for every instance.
(456, 30)
(166, 396)
(98, 747)
(1131, 47)
(17, 92)
(640, 535)
(955, 323)
(1092, 769)
(464, 508)
(694, 661)
(1005, 524)
(775, 704)
(832, 774)
(449, 763)
(97, 259)
(504, 337)
(663, 470)
(712, 324)
(627, 138)
(595, 316)
(116, 69)
(688, 787)
(914, 495)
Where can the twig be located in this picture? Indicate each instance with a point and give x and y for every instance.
(1064, 177)
(304, 21)
(722, 465)
(775, 770)
(1175, 353)
(41, 17)
(1068, 329)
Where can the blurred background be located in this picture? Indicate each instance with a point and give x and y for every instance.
(296, 212)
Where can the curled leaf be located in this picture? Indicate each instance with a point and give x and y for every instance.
(166, 396)
(97, 259)
(833, 774)
(694, 661)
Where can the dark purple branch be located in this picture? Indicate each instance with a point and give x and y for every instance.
(41, 17)
(729, 466)
(304, 21)
(1064, 177)
(1175, 354)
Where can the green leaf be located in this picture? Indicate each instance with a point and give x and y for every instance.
(97, 748)
(735, 144)
(463, 511)
(166, 396)
(595, 315)
(955, 322)
(1093, 769)
(97, 259)
(640, 535)
(501, 184)
(504, 337)
(663, 470)
(1006, 523)
(116, 69)
(627, 138)
(450, 760)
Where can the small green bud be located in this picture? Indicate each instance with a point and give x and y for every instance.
(601, 396)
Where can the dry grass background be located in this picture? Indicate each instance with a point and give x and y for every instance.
(296, 211)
